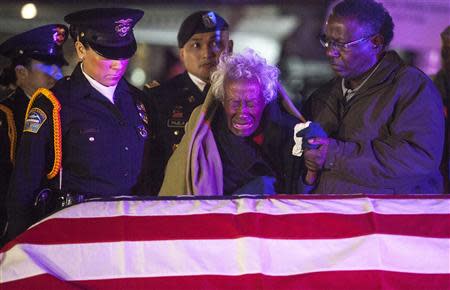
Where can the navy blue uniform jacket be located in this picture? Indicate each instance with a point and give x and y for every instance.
(103, 146)
(15, 105)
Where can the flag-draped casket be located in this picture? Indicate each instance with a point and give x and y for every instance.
(277, 242)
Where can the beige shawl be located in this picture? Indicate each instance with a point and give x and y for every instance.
(195, 168)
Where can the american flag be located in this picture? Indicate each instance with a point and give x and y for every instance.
(276, 242)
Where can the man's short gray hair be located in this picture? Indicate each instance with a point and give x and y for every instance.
(247, 65)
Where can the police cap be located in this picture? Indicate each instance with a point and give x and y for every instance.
(43, 43)
(108, 31)
(199, 22)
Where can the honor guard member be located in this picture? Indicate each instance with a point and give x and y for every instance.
(202, 38)
(86, 136)
(35, 59)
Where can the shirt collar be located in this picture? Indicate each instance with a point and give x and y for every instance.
(108, 92)
(349, 93)
(198, 82)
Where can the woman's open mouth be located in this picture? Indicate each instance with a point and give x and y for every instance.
(242, 124)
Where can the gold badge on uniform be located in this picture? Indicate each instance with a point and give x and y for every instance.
(191, 99)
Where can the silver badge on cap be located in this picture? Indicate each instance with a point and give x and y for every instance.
(209, 20)
(123, 26)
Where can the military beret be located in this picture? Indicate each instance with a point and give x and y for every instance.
(199, 22)
(108, 31)
(43, 43)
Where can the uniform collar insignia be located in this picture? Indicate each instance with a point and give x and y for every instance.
(152, 84)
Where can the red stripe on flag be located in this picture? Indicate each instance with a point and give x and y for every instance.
(44, 281)
(228, 226)
(336, 280)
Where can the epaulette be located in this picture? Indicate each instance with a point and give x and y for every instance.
(12, 133)
(57, 136)
(152, 84)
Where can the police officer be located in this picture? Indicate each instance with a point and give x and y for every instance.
(202, 37)
(86, 137)
(35, 57)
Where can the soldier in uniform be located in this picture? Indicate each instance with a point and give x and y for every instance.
(36, 57)
(92, 124)
(202, 37)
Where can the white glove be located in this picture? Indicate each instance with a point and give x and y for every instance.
(297, 149)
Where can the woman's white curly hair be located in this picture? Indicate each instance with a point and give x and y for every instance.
(247, 65)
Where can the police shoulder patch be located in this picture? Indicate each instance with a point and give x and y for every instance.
(152, 84)
(36, 117)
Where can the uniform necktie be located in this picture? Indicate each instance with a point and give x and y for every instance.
(206, 89)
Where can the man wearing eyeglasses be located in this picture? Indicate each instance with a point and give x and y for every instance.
(384, 118)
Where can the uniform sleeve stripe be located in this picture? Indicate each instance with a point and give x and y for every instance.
(57, 137)
(12, 132)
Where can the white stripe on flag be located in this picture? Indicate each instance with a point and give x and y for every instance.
(228, 257)
(271, 206)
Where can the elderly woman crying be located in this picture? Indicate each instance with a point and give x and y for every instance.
(240, 141)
